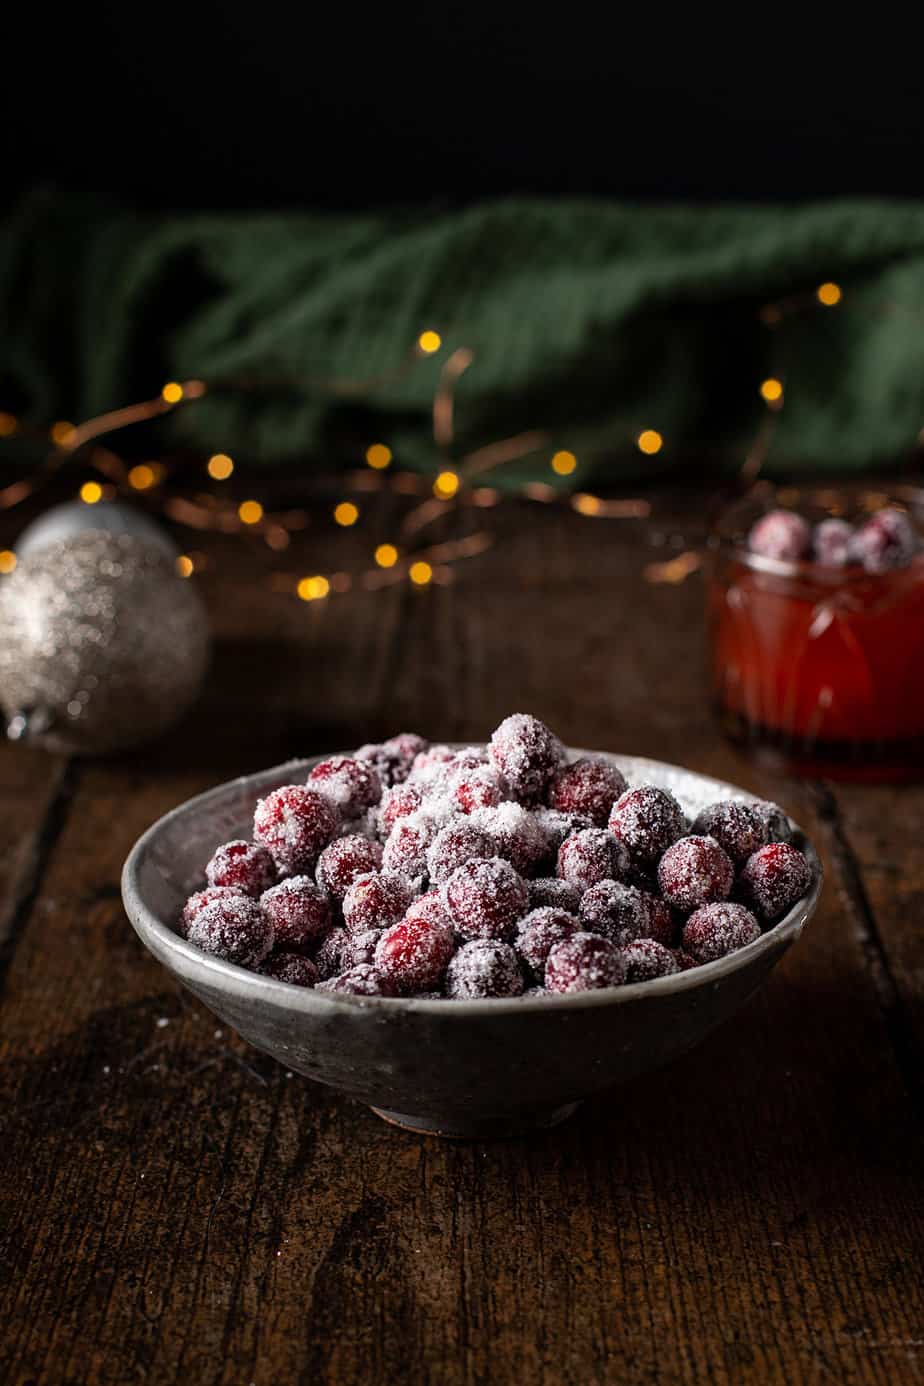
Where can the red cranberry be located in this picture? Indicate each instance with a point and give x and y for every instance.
(198, 901)
(361, 948)
(646, 820)
(431, 909)
(685, 963)
(406, 846)
(557, 826)
(363, 980)
(344, 860)
(695, 871)
(330, 958)
(549, 890)
(477, 788)
(485, 898)
(235, 929)
(590, 786)
(514, 834)
(484, 968)
(831, 543)
(454, 844)
(583, 962)
(392, 759)
(645, 959)
(781, 534)
(662, 925)
(352, 785)
(615, 911)
(776, 824)
(399, 802)
(774, 878)
(716, 929)
(292, 968)
(294, 823)
(244, 866)
(539, 931)
(413, 954)
(525, 752)
(376, 900)
(591, 855)
(299, 911)
(430, 765)
(738, 828)
(887, 540)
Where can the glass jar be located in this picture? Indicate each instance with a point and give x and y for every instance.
(819, 670)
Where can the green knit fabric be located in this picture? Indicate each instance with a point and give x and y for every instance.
(589, 320)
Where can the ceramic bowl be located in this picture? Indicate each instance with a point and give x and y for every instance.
(452, 1068)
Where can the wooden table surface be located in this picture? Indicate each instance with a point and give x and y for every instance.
(178, 1208)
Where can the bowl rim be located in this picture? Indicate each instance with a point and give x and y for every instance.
(191, 963)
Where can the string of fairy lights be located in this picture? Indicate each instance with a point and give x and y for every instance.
(405, 556)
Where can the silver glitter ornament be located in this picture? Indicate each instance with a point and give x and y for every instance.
(76, 517)
(102, 644)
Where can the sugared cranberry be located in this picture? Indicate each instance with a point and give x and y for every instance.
(591, 855)
(392, 759)
(831, 543)
(645, 959)
(781, 534)
(526, 753)
(406, 845)
(685, 963)
(515, 834)
(344, 860)
(198, 901)
(457, 842)
(484, 968)
(244, 866)
(590, 786)
(485, 898)
(887, 540)
(406, 746)
(430, 764)
(352, 785)
(695, 871)
(481, 787)
(295, 824)
(616, 911)
(235, 929)
(646, 820)
(361, 948)
(399, 802)
(584, 962)
(539, 931)
(773, 879)
(291, 968)
(376, 900)
(413, 954)
(717, 929)
(549, 890)
(775, 822)
(430, 908)
(532, 993)
(330, 957)
(363, 980)
(299, 911)
(662, 926)
(738, 828)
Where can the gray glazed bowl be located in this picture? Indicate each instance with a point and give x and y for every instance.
(450, 1068)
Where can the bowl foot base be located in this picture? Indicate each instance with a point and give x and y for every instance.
(479, 1128)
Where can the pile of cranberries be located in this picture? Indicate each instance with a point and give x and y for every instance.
(418, 870)
(886, 540)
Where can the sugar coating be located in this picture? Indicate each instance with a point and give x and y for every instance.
(644, 959)
(550, 890)
(616, 911)
(352, 785)
(245, 866)
(781, 534)
(737, 827)
(376, 900)
(591, 855)
(557, 826)
(198, 901)
(887, 540)
(477, 788)
(235, 929)
(392, 759)
(298, 971)
(406, 846)
(300, 913)
(485, 898)
(458, 842)
(514, 834)
(539, 931)
(431, 908)
(647, 820)
(295, 824)
(774, 878)
(584, 962)
(589, 786)
(361, 948)
(429, 766)
(714, 930)
(695, 871)
(774, 819)
(363, 980)
(413, 954)
(398, 802)
(344, 860)
(526, 753)
(329, 956)
(483, 968)
(662, 925)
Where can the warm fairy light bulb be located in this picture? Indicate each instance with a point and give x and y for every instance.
(312, 589)
(220, 466)
(386, 555)
(446, 485)
(8, 424)
(429, 342)
(649, 441)
(250, 512)
(829, 294)
(185, 565)
(7, 560)
(91, 492)
(378, 456)
(421, 573)
(62, 432)
(585, 504)
(771, 390)
(142, 477)
(172, 392)
(563, 463)
(346, 513)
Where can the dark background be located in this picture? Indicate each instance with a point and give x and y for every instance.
(243, 105)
